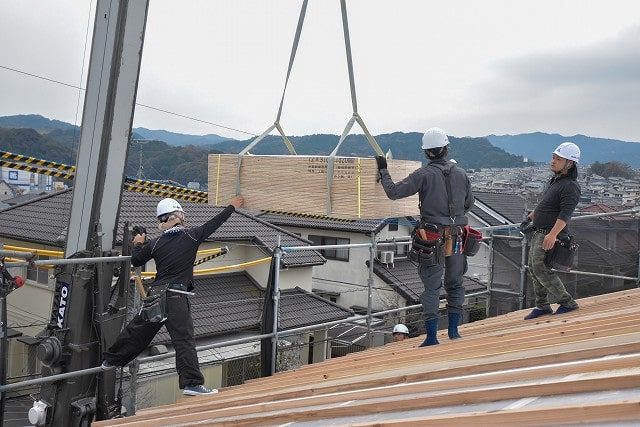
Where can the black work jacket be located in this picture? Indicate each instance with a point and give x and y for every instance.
(174, 251)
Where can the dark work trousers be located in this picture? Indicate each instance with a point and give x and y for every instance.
(139, 333)
(545, 280)
(454, 268)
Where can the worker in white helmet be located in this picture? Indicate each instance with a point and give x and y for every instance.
(550, 219)
(400, 332)
(444, 213)
(174, 253)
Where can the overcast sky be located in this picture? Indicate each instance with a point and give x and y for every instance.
(471, 67)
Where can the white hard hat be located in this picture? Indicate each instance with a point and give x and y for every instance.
(166, 206)
(434, 138)
(400, 328)
(569, 151)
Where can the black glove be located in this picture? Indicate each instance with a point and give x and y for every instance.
(527, 227)
(382, 162)
(138, 229)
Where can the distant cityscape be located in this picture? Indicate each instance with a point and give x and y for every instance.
(528, 182)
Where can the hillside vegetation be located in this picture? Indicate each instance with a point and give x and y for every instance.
(189, 163)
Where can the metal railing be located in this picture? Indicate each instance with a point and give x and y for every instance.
(276, 335)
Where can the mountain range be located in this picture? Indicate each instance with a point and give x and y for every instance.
(471, 152)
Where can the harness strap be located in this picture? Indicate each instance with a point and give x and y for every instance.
(446, 170)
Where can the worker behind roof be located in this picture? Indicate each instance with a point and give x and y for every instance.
(400, 332)
(430, 183)
(174, 252)
(550, 219)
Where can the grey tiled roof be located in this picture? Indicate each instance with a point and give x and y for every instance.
(302, 308)
(43, 220)
(404, 278)
(223, 303)
(232, 302)
(40, 220)
(365, 226)
(591, 255)
(510, 206)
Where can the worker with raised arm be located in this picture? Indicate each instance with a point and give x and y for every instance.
(550, 219)
(167, 303)
(443, 212)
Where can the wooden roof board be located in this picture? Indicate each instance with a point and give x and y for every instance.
(499, 373)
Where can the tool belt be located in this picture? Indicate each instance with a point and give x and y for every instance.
(427, 245)
(472, 239)
(562, 255)
(154, 306)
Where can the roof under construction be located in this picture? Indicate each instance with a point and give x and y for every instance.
(581, 368)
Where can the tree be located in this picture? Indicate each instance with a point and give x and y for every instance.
(610, 169)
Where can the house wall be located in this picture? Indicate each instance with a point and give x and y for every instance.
(350, 279)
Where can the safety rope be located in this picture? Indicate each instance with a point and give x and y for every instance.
(216, 269)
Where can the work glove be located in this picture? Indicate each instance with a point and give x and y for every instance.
(382, 162)
(138, 229)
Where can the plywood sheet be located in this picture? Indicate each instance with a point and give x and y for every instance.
(299, 184)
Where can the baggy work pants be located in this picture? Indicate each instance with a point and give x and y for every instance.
(139, 333)
(454, 268)
(545, 280)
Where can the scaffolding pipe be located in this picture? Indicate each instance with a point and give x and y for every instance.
(276, 297)
(67, 261)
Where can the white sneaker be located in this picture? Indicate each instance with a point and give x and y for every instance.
(198, 390)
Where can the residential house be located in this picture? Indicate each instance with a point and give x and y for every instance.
(225, 305)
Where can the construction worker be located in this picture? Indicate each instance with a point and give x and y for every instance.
(430, 182)
(174, 252)
(550, 219)
(400, 332)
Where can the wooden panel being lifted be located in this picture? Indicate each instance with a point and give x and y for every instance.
(299, 184)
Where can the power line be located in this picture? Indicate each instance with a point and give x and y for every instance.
(195, 119)
(40, 77)
(137, 104)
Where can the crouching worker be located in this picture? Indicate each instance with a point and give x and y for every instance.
(174, 253)
(400, 332)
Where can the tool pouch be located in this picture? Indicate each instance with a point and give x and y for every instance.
(562, 255)
(154, 306)
(472, 239)
(427, 245)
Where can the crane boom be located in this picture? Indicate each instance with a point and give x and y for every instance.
(87, 311)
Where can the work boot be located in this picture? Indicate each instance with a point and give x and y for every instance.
(454, 320)
(564, 309)
(431, 327)
(537, 312)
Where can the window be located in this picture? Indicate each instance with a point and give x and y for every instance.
(39, 275)
(340, 254)
(393, 226)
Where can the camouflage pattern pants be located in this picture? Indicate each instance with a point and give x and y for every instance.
(545, 281)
